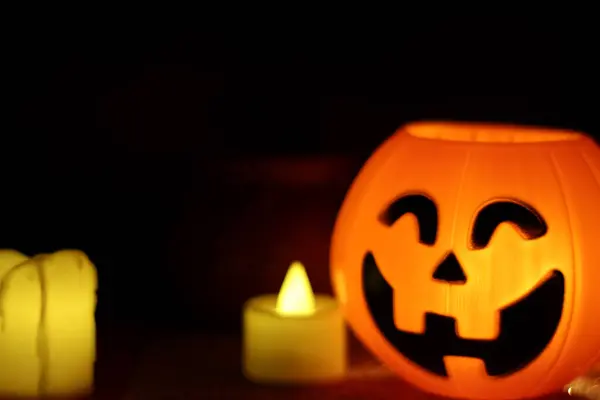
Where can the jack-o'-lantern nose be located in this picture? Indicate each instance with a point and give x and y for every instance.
(450, 271)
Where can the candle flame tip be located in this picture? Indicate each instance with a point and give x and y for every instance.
(296, 296)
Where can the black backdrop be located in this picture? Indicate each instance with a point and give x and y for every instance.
(100, 132)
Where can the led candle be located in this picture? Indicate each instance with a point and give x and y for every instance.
(294, 337)
(47, 325)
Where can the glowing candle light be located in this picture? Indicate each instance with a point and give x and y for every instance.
(47, 325)
(294, 337)
(295, 296)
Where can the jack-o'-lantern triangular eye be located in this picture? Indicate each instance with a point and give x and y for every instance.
(422, 207)
(524, 218)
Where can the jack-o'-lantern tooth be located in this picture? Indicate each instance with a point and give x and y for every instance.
(482, 325)
(408, 318)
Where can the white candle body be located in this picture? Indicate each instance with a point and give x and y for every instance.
(293, 349)
(47, 332)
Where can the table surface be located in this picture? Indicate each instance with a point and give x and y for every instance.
(200, 366)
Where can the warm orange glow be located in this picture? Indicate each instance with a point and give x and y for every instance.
(454, 229)
(488, 133)
(296, 296)
(47, 335)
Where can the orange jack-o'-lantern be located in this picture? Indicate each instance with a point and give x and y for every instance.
(466, 257)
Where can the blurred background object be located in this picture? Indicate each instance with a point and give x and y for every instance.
(587, 386)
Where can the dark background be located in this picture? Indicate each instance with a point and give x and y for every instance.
(179, 162)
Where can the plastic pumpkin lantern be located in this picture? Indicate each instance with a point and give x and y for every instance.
(466, 257)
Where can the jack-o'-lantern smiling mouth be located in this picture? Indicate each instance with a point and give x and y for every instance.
(526, 327)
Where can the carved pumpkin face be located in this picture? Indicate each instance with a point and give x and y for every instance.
(465, 257)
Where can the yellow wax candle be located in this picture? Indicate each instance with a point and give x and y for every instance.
(47, 325)
(295, 337)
